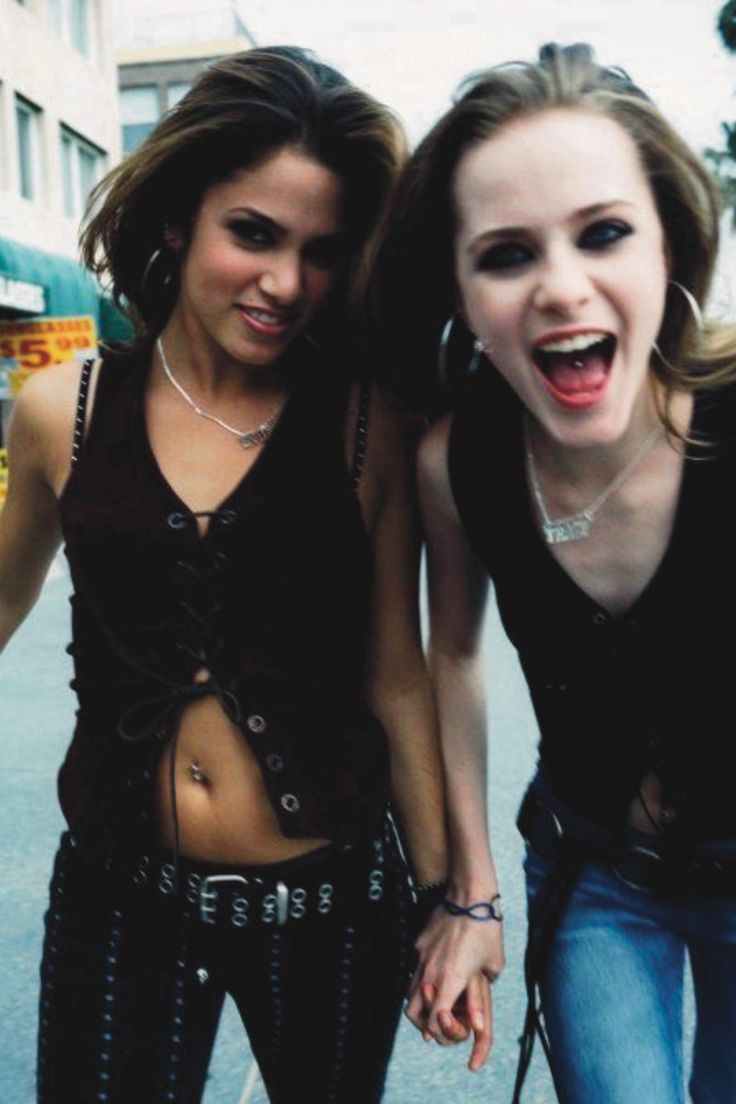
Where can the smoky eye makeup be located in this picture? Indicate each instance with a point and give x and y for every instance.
(250, 231)
(502, 255)
(604, 233)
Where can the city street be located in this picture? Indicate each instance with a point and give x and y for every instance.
(37, 716)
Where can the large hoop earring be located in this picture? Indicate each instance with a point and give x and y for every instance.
(697, 314)
(692, 303)
(158, 259)
(443, 355)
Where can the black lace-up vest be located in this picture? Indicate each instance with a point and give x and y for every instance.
(273, 601)
(616, 697)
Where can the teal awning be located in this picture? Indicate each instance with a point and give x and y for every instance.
(70, 289)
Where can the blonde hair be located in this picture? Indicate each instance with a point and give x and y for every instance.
(417, 259)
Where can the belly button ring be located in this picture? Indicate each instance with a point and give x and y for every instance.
(197, 774)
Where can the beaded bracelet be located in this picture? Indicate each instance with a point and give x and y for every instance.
(481, 910)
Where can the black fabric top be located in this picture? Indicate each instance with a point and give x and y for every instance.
(273, 601)
(615, 697)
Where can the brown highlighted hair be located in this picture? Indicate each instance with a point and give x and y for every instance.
(417, 290)
(239, 111)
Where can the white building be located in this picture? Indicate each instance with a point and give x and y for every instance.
(59, 132)
(160, 53)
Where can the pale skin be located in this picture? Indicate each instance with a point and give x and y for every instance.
(262, 245)
(539, 258)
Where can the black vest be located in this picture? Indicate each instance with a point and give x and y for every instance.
(273, 601)
(615, 697)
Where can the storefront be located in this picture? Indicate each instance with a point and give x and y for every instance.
(51, 309)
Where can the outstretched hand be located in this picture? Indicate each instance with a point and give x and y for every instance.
(449, 997)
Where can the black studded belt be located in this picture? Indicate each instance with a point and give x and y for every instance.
(315, 884)
(651, 863)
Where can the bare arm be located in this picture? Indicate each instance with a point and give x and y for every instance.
(39, 446)
(459, 964)
(398, 682)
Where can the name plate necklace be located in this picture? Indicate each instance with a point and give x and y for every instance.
(575, 527)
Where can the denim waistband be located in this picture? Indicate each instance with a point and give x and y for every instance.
(642, 860)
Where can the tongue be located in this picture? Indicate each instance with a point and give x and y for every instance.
(572, 373)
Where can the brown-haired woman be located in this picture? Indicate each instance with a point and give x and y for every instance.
(555, 225)
(237, 513)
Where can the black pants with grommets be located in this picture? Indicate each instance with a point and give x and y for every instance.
(133, 979)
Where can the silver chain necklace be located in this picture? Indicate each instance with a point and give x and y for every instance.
(247, 438)
(576, 527)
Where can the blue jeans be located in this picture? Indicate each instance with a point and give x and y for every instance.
(612, 993)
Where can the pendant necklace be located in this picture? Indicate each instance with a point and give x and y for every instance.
(577, 527)
(248, 437)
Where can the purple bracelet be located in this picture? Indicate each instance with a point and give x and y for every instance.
(481, 910)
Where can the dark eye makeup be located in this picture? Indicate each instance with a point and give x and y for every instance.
(604, 233)
(503, 255)
(251, 232)
(512, 254)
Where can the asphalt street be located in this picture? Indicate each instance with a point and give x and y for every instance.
(37, 717)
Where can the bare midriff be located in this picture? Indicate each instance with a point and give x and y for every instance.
(222, 808)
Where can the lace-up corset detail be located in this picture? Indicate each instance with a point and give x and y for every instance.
(268, 612)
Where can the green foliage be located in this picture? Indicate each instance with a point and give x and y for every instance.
(727, 25)
(723, 162)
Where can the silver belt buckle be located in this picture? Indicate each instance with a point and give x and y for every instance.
(208, 894)
(275, 906)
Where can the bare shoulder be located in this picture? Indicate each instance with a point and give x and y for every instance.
(50, 393)
(435, 490)
(43, 418)
(432, 456)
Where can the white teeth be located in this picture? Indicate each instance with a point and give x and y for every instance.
(263, 316)
(573, 344)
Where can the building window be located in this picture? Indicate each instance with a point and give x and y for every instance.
(139, 113)
(72, 21)
(81, 168)
(175, 91)
(28, 123)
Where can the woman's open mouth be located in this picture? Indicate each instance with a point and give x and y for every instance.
(575, 369)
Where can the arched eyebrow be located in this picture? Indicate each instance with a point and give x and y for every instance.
(258, 216)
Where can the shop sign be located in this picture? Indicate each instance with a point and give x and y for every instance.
(42, 342)
(21, 295)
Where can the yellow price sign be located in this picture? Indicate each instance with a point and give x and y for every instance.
(43, 342)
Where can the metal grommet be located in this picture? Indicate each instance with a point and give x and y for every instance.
(290, 802)
(274, 762)
(256, 723)
(177, 520)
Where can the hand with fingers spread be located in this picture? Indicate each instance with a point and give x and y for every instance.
(450, 997)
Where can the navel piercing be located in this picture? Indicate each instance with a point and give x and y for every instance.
(197, 774)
